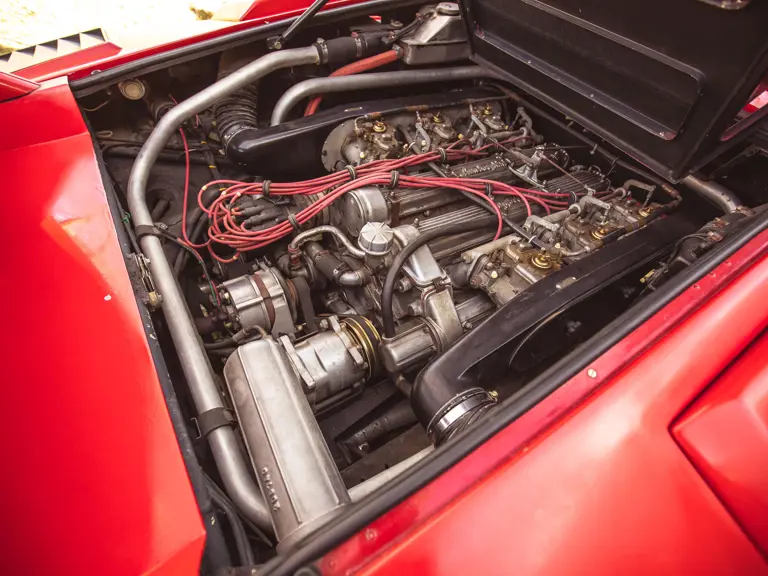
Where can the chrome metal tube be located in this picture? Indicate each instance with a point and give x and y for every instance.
(234, 471)
(360, 491)
(330, 84)
(717, 194)
(307, 235)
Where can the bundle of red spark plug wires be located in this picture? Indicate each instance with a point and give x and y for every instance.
(226, 226)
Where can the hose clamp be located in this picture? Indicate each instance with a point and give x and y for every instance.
(466, 403)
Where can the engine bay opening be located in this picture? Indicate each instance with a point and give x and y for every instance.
(353, 248)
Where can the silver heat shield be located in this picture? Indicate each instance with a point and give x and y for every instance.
(294, 468)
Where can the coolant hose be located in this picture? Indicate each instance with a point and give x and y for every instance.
(388, 290)
(355, 68)
(235, 472)
(397, 78)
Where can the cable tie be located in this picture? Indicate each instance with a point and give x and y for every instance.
(351, 170)
(443, 155)
(265, 188)
(489, 189)
(294, 222)
(394, 180)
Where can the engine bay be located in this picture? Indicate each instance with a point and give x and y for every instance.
(348, 268)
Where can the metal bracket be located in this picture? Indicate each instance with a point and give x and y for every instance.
(138, 267)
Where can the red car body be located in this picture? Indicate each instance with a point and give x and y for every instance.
(651, 461)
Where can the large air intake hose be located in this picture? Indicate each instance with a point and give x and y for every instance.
(236, 115)
(236, 112)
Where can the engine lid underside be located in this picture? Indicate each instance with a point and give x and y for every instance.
(663, 80)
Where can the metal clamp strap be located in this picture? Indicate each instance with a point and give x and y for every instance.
(214, 418)
(145, 230)
(453, 414)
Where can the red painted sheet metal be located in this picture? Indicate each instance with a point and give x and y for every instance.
(93, 482)
(12, 86)
(725, 435)
(606, 490)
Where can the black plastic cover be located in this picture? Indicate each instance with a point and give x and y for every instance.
(660, 79)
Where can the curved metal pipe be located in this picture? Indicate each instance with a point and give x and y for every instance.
(718, 195)
(234, 470)
(315, 86)
(353, 278)
(360, 491)
(307, 235)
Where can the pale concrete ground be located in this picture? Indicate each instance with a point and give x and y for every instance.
(27, 22)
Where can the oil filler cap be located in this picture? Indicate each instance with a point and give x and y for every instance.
(376, 238)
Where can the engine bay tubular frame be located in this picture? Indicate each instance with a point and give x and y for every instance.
(363, 513)
(230, 461)
(397, 78)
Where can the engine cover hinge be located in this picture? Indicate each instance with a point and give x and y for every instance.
(141, 278)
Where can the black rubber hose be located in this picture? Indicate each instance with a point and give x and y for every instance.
(221, 344)
(160, 208)
(387, 293)
(236, 112)
(238, 531)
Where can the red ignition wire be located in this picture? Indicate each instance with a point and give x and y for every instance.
(355, 68)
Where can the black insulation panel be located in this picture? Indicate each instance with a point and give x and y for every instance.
(660, 79)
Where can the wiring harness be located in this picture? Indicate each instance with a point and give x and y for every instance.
(226, 228)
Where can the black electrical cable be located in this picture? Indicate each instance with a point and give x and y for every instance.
(407, 28)
(225, 343)
(238, 531)
(212, 486)
(194, 254)
(221, 353)
(387, 292)
(197, 220)
(160, 208)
